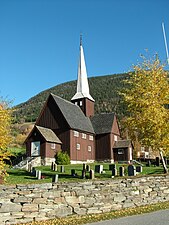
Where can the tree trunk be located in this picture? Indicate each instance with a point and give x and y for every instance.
(163, 162)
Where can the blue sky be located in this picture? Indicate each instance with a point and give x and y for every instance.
(39, 40)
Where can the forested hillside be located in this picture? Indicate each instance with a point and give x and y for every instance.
(104, 89)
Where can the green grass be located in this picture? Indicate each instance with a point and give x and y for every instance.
(17, 176)
(152, 170)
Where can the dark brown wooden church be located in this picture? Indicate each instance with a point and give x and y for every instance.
(72, 127)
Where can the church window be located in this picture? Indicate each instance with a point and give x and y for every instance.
(80, 103)
(90, 137)
(83, 136)
(78, 146)
(89, 148)
(76, 133)
(120, 151)
(53, 145)
(35, 148)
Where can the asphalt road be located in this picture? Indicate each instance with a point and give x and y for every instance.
(160, 217)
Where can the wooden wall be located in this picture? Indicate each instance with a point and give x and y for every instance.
(49, 152)
(121, 157)
(103, 147)
(83, 153)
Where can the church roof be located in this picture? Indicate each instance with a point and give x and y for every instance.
(82, 81)
(122, 144)
(102, 123)
(48, 134)
(73, 115)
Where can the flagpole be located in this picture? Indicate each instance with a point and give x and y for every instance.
(165, 41)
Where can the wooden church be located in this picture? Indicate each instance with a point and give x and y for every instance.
(73, 127)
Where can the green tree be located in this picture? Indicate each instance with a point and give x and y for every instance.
(147, 98)
(5, 122)
(62, 158)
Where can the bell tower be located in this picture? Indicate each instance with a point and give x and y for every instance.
(82, 98)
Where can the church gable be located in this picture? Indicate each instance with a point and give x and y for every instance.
(51, 117)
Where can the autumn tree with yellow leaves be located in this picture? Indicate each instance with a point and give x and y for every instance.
(147, 99)
(5, 121)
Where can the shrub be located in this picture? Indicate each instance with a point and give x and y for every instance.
(62, 158)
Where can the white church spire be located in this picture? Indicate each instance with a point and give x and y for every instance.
(82, 90)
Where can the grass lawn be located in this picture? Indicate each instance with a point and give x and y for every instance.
(17, 176)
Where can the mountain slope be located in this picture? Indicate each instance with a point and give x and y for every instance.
(104, 89)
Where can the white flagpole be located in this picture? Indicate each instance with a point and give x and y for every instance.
(165, 41)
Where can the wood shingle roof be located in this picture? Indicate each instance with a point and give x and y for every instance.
(73, 115)
(48, 135)
(102, 123)
(122, 144)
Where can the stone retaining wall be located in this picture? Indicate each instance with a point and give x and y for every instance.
(35, 202)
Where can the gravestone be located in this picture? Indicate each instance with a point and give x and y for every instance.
(36, 173)
(83, 174)
(30, 168)
(55, 178)
(55, 167)
(88, 168)
(91, 174)
(62, 169)
(84, 166)
(73, 174)
(114, 170)
(131, 170)
(52, 165)
(98, 168)
(157, 161)
(121, 171)
(139, 169)
(39, 174)
(148, 163)
(33, 172)
(101, 169)
(111, 166)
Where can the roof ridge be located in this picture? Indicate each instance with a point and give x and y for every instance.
(67, 101)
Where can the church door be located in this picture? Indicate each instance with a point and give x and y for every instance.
(35, 148)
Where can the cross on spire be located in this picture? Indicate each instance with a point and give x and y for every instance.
(81, 39)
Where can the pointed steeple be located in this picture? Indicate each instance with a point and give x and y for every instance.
(82, 90)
